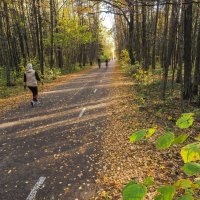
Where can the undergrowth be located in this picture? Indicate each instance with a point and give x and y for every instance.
(148, 86)
(17, 79)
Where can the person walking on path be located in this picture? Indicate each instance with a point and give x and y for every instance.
(31, 79)
(99, 63)
(106, 61)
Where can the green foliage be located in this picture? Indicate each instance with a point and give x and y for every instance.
(124, 57)
(135, 71)
(35, 63)
(157, 71)
(185, 121)
(165, 141)
(197, 181)
(16, 81)
(180, 139)
(186, 197)
(197, 114)
(191, 168)
(51, 74)
(107, 43)
(141, 133)
(148, 181)
(138, 135)
(166, 193)
(150, 132)
(71, 33)
(183, 183)
(191, 152)
(103, 57)
(141, 76)
(134, 191)
(9, 91)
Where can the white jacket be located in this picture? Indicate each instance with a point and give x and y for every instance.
(31, 78)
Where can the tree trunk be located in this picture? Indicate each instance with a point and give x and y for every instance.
(172, 40)
(144, 39)
(8, 35)
(36, 28)
(137, 29)
(187, 86)
(165, 35)
(155, 36)
(25, 30)
(52, 34)
(180, 64)
(41, 56)
(197, 66)
(131, 37)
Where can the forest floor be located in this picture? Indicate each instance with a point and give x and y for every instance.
(140, 107)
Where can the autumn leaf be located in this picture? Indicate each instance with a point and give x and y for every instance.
(183, 183)
(185, 121)
(166, 193)
(150, 132)
(138, 135)
(180, 139)
(191, 152)
(191, 168)
(134, 191)
(165, 141)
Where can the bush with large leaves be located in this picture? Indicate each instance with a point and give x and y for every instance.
(189, 153)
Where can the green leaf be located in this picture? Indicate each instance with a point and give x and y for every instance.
(151, 131)
(185, 121)
(134, 191)
(197, 181)
(166, 193)
(165, 141)
(191, 152)
(191, 168)
(180, 139)
(189, 191)
(184, 183)
(186, 197)
(138, 135)
(148, 181)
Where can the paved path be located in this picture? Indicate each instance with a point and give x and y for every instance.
(52, 151)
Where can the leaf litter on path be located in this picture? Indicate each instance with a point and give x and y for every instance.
(123, 161)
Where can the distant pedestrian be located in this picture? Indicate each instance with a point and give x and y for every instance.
(31, 79)
(106, 61)
(99, 62)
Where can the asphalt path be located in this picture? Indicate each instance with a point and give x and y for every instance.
(52, 151)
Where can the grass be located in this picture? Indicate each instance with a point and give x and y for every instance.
(10, 91)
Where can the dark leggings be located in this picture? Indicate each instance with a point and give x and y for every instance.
(34, 90)
(99, 64)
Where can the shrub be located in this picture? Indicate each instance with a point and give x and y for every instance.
(51, 74)
(189, 153)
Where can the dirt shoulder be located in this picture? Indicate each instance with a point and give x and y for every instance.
(14, 101)
(123, 161)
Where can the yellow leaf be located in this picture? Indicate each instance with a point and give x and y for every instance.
(169, 118)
